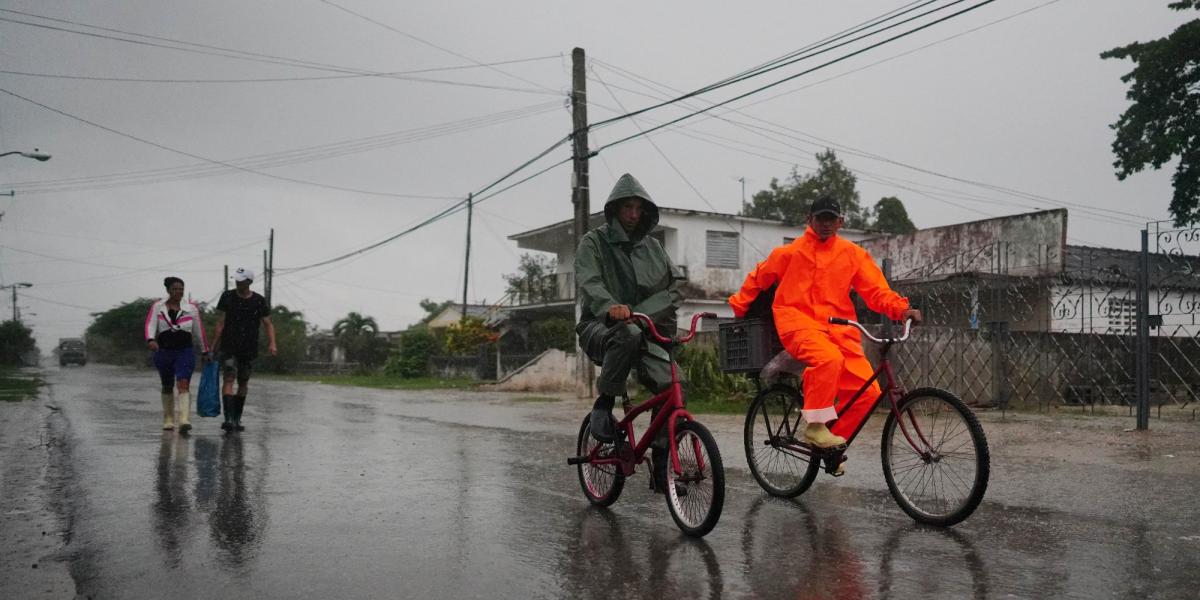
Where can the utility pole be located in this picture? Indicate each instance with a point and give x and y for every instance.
(580, 194)
(270, 274)
(16, 314)
(467, 260)
(743, 180)
(225, 284)
(16, 317)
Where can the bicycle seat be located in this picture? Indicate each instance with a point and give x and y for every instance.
(782, 364)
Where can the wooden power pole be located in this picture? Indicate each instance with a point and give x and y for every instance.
(579, 195)
(467, 260)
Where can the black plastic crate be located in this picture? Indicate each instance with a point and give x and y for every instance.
(747, 345)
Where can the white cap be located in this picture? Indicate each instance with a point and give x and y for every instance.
(243, 274)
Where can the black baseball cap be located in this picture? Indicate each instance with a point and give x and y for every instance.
(825, 204)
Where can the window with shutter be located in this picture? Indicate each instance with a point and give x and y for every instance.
(721, 249)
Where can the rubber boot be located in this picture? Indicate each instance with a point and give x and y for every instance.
(168, 402)
(601, 423)
(239, 403)
(227, 411)
(185, 408)
(819, 435)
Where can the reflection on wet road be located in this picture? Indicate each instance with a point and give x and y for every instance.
(346, 493)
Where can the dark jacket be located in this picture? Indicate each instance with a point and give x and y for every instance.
(612, 267)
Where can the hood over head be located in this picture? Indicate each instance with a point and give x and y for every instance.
(629, 187)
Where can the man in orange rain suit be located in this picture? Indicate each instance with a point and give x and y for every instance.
(815, 274)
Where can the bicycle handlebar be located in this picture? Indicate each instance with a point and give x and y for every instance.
(653, 331)
(907, 329)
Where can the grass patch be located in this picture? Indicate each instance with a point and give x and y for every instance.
(700, 404)
(16, 386)
(384, 382)
(536, 399)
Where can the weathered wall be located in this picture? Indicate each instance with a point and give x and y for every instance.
(1030, 244)
(552, 371)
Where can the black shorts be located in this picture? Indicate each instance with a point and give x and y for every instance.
(236, 365)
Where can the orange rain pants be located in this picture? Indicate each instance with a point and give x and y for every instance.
(815, 278)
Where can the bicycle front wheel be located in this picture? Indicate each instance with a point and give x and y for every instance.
(772, 432)
(935, 457)
(696, 495)
(602, 484)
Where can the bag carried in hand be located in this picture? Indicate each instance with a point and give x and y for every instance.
(208, 399)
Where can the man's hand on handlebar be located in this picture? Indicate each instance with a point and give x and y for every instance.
(913, 314)
(621, 312)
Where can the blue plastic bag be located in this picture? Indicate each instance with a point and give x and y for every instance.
(208, 398)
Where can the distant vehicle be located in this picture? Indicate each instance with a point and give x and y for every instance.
(71, 350)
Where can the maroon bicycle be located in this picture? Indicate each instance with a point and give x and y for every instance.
(695, 476)
(935, 456)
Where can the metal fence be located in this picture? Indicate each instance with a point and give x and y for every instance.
(1071, 337)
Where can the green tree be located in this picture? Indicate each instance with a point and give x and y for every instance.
(291, 338)
(358, 334)
(411, 358)
(789, 201)
(16, 342)
(534, 282)
(1162, 122)
(555, 332)
(432, 309)
(117, 335)
(890, 216)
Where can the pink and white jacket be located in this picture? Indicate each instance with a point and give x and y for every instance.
(159, 320)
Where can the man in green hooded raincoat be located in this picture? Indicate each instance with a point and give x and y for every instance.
(620, 270)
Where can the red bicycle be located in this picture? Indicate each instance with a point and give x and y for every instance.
(695, 476)
(935, 456)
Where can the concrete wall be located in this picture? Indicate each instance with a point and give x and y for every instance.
(1031, 244)
(553, 371)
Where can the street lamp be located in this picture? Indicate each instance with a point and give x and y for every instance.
(14, 287)
(35, 155)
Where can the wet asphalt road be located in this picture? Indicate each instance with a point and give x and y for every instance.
(336, 492)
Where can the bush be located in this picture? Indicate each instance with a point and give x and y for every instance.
(705, 380)
(16, 342)
(411, 359)
(118, 335)
(553, 333)
(466, 336)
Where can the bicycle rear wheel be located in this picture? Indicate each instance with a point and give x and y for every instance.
(602, 484)
(773, 429)
(938, 473)
(696, 496)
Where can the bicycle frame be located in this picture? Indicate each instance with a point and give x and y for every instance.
(890, 391)
(671, 409)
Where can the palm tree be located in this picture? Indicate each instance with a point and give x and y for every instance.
(354, 332)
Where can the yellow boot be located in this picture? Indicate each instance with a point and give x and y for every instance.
(168, 402)
(185, 407)
(819, 435)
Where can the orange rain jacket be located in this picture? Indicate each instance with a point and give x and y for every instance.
(815, 279)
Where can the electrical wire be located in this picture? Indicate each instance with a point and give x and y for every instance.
(287, 157)
(794, 76)
(389, 74)
(206, 159)
(828, 48)
(432, 45)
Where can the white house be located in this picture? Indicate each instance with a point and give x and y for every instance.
(713, 251)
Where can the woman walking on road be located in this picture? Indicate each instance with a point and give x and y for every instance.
(172, 325)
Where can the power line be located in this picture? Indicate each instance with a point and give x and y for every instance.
(828, 48)
(695, 190)
(431, 44)
(791, 77)
(287, 157)
(388, 74)
(203, 158)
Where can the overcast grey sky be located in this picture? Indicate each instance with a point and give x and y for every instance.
(1023, 104)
